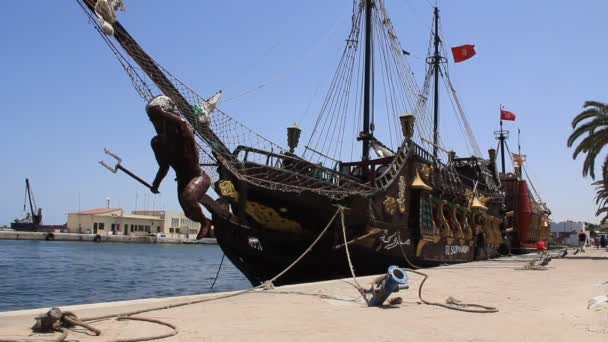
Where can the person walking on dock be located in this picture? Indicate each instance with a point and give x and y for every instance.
(582, 239)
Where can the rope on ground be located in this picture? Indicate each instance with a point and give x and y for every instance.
(451, 303)
(218, 270)
(128, 316)
(73, 320)
(320, 295)
(151, 320)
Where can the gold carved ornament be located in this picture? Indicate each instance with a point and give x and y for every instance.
(456, 223)
(270, 218)
(262, 214)
(227, 190)
(390, 205)
(426, 171)
(401, 195)
(444, 227)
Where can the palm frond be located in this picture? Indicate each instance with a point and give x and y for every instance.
(593, 141)
(586, 114)
(592, 103)
(585, 128)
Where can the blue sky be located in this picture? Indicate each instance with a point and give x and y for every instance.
(65, 97)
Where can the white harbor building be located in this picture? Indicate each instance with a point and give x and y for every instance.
(116, 221)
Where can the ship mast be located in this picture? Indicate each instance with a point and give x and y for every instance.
(502, 139)
(368, 90)
(502, 136)
(436, 59)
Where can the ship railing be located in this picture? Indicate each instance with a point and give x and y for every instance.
(368, 170)
(382, 172)
(399, 160)
(291, 170)
(422, 153)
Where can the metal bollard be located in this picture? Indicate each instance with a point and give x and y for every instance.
(382, 288)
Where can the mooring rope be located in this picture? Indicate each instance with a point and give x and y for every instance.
(218, 270)
(320, 295)
(151, 320)
(308, 249)
(350, 263)
(451, 303)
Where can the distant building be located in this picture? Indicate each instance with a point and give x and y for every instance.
(115, 221)
(174, 222)
(567, 231)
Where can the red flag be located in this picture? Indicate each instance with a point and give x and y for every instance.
(506, 115)
(463, 52)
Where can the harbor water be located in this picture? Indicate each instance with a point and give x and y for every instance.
(36, 274)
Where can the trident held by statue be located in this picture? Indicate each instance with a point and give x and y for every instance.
(122, 168)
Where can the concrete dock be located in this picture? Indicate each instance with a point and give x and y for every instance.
(20, 235)
(548, 305)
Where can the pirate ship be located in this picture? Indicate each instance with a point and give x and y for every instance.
(416, 199)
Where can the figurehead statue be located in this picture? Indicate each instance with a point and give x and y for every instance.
(174, 147)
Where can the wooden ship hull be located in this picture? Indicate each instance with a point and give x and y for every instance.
(425, 217)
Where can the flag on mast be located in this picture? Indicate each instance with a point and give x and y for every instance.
(463, 52)
(507, 115)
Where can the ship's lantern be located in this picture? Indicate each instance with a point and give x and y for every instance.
(451, 156)
(407, 125)
(293, 137)
(492, 155)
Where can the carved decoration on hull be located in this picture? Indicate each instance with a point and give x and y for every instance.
(456, 223)
(264, 215)
(270, 218)
(227, 190)
(390, 205)
(425, 172)
(442, 223)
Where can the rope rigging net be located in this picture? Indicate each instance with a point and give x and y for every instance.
(252, 158)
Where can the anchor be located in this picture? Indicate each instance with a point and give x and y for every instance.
(118, 166)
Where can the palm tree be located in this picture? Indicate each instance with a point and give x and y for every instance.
(593, 120)
(601, 193)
